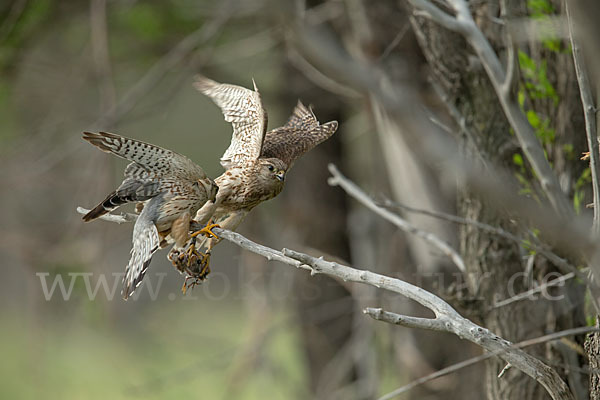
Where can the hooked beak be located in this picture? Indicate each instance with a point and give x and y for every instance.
(280, 175)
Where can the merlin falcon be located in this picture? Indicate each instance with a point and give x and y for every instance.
(171, 187)
(256, 161)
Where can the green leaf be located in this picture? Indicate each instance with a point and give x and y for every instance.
(591, 320)
(533, 118)
(521, 98)
(526, 63)
(518, 159)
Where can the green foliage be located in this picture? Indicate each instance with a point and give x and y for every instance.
(542, 127)
(536, 78)
(518, 160)
(536, 86)
(589, 308)
(541, 9)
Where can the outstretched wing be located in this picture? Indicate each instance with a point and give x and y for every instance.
(243, 108)
(300, 134)
(145, 242)
(149, 162)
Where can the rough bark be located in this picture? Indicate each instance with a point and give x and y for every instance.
(592, 348)
(496, 267)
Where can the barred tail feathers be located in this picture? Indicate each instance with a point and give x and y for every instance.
(145, 243)
(111, 202)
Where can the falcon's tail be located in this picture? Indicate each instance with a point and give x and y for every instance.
(145, 242)
(111, 202)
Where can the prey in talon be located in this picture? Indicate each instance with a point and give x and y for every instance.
(190, 261)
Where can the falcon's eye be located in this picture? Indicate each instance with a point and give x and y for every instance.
(271, 168)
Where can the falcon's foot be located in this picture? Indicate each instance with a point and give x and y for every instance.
(207, 230)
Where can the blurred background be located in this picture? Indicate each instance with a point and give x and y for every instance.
(255, 329)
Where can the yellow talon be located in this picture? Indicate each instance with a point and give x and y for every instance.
(205, 268)
(207, 230)
(191, 251)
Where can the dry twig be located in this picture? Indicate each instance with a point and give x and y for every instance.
(355, 192)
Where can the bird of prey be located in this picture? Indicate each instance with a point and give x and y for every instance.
(172, 189)
(256, 161)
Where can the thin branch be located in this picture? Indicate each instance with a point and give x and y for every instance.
(355, 192)
(464, 24)
(318, 78)
(525, 295)
(540, 248)
(395, 41)
(589, 112)
(511, 60)
(405, 320)
(474, 360)
(446, 316)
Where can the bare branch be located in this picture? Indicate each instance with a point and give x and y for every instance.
(354, 191)
(589, 112)
(447, 317)
(405, 320)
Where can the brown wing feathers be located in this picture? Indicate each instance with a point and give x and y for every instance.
(300, 134)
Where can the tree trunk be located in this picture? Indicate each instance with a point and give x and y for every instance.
(496, 268)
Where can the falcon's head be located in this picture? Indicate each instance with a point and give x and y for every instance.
(210, 187)
(272, 171)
